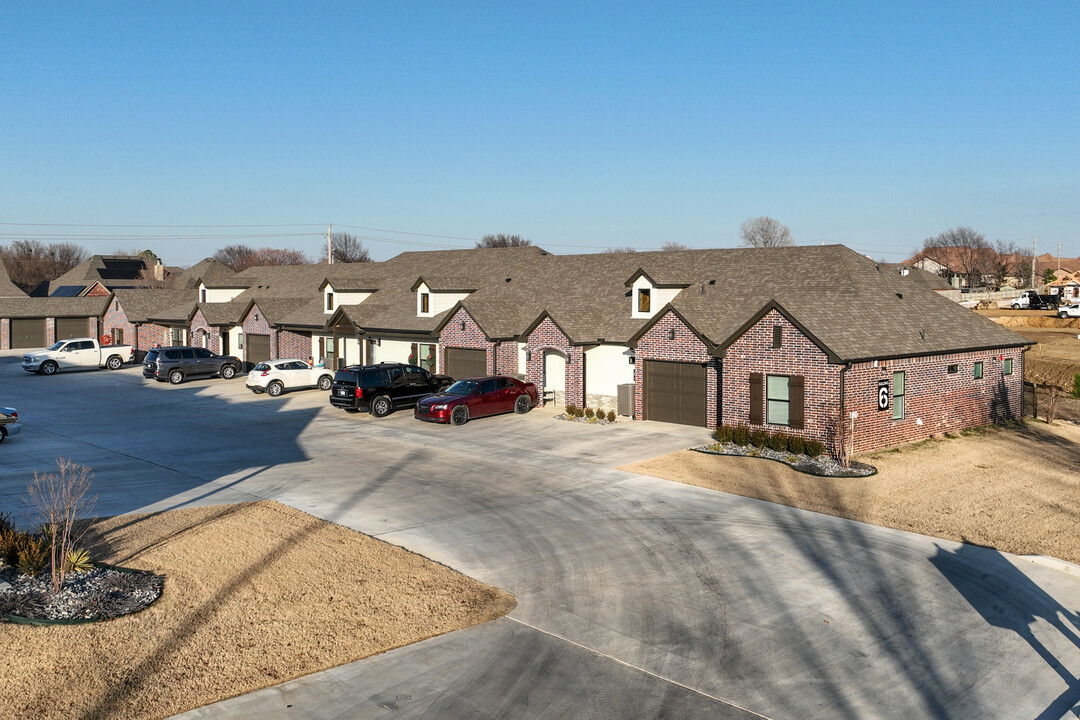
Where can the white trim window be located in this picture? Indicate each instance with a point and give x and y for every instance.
(777, 400)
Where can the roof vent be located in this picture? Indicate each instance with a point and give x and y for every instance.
(507, 279)
(712, 282)
(900, 295)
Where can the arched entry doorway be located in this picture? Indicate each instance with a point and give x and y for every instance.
(555, 375)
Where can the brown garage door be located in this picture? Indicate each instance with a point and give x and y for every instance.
(71, 328)
(27, 332)
(257, 348)
(675, 392)
(462, 363)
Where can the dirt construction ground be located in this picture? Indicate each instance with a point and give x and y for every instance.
(255, 594)
(1016, 489)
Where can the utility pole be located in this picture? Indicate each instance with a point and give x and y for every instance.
(329, 254)
(1059, 255)
(1034, 244)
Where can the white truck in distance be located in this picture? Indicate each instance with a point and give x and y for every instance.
(77, 354)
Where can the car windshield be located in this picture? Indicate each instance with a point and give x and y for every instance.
(261, 366)
(57, 345)
(461, 387)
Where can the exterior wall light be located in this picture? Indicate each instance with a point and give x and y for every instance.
(528, 356)
(462, 324)
(671, 334)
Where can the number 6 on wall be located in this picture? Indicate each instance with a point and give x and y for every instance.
(882, 394)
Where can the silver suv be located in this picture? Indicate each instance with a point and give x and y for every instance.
(177, 363)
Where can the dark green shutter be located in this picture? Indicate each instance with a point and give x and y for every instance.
(795, 399)
(757, 398)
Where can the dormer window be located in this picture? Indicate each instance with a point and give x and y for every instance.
(329, 301)
(643, 300)
(425, 303)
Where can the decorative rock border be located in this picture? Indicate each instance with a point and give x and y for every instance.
(822, 466)
(87, 584)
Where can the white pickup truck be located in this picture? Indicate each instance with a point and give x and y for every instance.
(77, 354)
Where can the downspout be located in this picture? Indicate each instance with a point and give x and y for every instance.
(843, 415)
(1023, 390)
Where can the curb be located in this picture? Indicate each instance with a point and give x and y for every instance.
(1053, 563)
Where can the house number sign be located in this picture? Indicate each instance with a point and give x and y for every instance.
(882, 394)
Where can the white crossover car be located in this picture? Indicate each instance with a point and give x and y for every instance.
(276, 376)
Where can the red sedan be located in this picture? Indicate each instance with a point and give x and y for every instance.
(477, 397)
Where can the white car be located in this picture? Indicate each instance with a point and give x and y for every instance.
(1068, 311)
(9, 422)
(276, 376)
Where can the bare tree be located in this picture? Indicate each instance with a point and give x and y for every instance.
(965, 252)
(236, 257)
(765, 232)
(60, 499)
(346, 248)
(499, 240)
(32, 262)
(672, 245)
(625, 249)
(280, 256)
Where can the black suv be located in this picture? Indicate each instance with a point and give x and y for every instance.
(176, 363)
(380, 388)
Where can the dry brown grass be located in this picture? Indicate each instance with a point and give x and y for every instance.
(1014, 489)
(255, 594)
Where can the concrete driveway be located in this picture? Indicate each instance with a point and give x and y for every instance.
(637, 597)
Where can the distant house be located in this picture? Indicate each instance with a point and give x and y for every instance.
(8, 289)
(100, 275)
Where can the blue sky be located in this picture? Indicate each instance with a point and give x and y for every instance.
(579, 125)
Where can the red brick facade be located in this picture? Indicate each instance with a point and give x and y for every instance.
(203, 335)
(506, 355)
(147, 335)
(291, 344)
(753, 352)
(656, 344)
(255, 323)
(463, 332)
(942, 401)
(547, 336)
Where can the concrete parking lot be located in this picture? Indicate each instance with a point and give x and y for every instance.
(637, 597)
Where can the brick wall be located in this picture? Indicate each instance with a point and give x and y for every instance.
(254, 326)
(200, 326)
(686, 347)
(753, 352)
(463, 332)
(545, 337)
(507, 355)
(50, 331)
(5, 334)
(942, 401)
(292, 344)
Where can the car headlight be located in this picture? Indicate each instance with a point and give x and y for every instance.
(439, 406)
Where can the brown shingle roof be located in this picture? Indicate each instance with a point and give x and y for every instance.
(53, 307)
(8, 289)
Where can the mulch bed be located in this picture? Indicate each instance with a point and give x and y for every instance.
(822, 465)
(100, 593)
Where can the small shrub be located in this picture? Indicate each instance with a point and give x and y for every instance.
(723, 433)
(611, 416)
(78, 560)
(1076, 386)
(33, 554)
(778, 441)
(740, 435)
(570, 410)
(759, 438)
(814, 448)
(589, 412)
(796, 445)
(592, 420)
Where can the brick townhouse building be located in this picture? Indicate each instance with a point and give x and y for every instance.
(797, 338)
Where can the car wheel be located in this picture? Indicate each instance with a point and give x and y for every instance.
(176, 377)
(380, 406)
(115, 362)
(459, 415)
(1015, 306)
(522, 404)
(228, 372)
(3, 433)
(325, 382)
(49, 368)
(274, 389)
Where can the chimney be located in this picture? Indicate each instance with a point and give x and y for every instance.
(159, 271)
